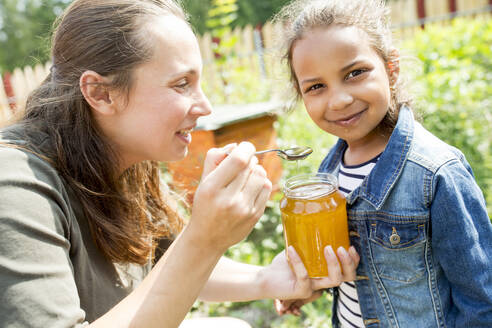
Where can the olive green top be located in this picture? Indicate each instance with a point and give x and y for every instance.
(51, 272)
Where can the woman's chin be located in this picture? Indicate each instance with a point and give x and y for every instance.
(176, 157)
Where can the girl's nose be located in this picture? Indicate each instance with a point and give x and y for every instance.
(339, 99)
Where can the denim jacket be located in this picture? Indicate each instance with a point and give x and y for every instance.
(420, 226)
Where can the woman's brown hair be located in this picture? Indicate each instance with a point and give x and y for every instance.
(371, 16)
(127, 213)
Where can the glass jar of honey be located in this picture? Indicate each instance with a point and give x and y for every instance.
(314, 216)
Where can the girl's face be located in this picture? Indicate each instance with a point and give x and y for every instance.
(166, 98)
(343, 82)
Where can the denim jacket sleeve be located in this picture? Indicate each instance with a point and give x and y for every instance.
(462, 243)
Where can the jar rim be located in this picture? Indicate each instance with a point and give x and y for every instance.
(305, 179)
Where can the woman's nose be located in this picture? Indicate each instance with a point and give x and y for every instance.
(202, 106)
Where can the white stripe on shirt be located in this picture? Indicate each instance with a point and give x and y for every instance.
(348, 308)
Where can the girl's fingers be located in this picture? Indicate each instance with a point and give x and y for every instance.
(281, 306)
(277, 304)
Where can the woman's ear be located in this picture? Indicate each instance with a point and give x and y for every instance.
(95, 92)
(393, 67)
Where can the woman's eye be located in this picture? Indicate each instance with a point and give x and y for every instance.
(355, 73)
(182, 84)
(314, 87)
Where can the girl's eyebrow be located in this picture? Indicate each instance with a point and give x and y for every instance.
(349, 66)
(314, 79)
(344, 68)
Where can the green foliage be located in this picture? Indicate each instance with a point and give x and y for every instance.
(198, 13)
(232, 81)
(25, 27)
(220, 17)
(236, 84)
(455, 85)
(257, 12)
(249, 12)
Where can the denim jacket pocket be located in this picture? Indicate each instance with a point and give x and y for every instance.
(398, 249)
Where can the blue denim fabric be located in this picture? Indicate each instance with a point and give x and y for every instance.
(420, 225)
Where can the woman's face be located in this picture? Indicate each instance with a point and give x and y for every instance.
(165, 100)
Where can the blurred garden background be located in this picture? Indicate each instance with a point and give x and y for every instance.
(446, 48)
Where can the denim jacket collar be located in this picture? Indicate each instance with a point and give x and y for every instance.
(376, 187)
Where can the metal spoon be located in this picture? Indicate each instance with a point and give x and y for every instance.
(290, 154)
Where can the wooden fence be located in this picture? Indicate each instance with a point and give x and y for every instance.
(254, 47)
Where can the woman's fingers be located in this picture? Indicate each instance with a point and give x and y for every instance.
(233, 165)
(214, 157)
(354, 255)
(244, 178)
(334, 269)
(349, 261)
(257, 181)
(262, 198)
(336, 273)
(303, 282)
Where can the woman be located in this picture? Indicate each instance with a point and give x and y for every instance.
(84, 213)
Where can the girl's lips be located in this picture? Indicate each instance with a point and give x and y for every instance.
(350, 120)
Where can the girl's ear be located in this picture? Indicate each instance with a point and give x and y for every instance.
(93, 88)
(393, 67)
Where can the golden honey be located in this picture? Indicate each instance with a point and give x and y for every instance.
(314, 216)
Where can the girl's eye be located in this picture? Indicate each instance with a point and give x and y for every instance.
(314, 87)
(355, 73)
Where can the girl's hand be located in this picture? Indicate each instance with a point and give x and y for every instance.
(230, 198)
(294, 306)
(349, 260)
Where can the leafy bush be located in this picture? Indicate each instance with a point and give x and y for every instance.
(455, 90)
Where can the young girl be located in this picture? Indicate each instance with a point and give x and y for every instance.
(83, 211)
(416, 216)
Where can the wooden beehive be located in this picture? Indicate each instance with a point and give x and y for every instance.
(228, 124)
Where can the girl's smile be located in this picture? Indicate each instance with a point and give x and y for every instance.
(350, 119)
(344, 84)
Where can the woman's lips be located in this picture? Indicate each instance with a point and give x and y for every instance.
(185, 135)
(349, 120)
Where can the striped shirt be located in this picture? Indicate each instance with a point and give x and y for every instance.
(348, 309)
